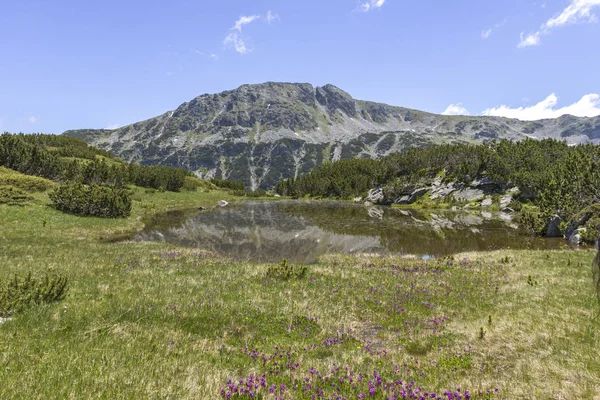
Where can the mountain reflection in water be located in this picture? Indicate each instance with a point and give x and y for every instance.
(302, 231)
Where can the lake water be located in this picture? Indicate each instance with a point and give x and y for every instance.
(301, 231)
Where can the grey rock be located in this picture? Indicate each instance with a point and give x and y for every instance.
(441, 190)
(487, 215)
(485, 181)
(507, 210)
(357, 199)
(505, 201)
(411, 198)
(376, 196)
(222, 203)
(3, 320)
(576, 237)
(486, 203)
(469, 194)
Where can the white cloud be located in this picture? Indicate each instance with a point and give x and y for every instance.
(456, 109)
(33, 119)
(271, 16)
(113, 126)
(371, 5)
(237, 42)
(485, 34)
(579, 11)
(214, 56)
(587, 106)
(531, 40)
(235, 39)
(244, 20)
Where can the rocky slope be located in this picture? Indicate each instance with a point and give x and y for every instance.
(262, 133)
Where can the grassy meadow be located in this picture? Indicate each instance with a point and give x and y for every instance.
(149, 320)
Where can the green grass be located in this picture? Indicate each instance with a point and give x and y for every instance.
(148, 320)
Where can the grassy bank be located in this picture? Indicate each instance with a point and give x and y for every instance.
(148, 320)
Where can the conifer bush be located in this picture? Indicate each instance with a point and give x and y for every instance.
(94, 200)
(17, 293)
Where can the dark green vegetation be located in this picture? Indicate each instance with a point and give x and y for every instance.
(13, 196)
(95, 200)
(93, 181)
(553, 179)
(260, 134)
(17, 294)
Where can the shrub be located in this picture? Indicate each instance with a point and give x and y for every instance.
(17, 294)
(285, 271)
(13, 196)
(9, 177)
(95, 200)
(533, 221)
(227, 184)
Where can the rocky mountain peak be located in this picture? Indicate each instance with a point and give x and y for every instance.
(261, 133)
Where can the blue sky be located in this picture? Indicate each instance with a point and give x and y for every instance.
(68, 64)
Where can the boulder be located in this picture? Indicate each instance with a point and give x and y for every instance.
(222, 203)
(482, 182)
(439, 191)
(552, 230)
(375, 196)
(505, 201)
(469, 194)
(486, 203)
(412, 197)
(576, 236)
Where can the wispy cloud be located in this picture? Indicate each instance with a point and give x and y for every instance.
(371, 5)
(456, 109)
(236, 40)
(33, 119)
(213, 56)
(532, 39)
(244, 20)
(485, 34)
(579, 11)
(587, 106)
(271, 16)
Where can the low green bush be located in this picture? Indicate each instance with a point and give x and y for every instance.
(94, 200)
(285, 271)
(17, 294)
(227, 184)
(8, 177)
(13, 196)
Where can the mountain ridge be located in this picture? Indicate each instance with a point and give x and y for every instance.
(262, 133)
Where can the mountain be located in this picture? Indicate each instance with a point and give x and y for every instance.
(259, 134)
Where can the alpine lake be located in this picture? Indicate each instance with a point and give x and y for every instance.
(301, 231)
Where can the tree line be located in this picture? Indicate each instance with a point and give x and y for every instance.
(93, 182)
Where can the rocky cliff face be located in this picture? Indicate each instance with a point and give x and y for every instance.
(262, 133)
